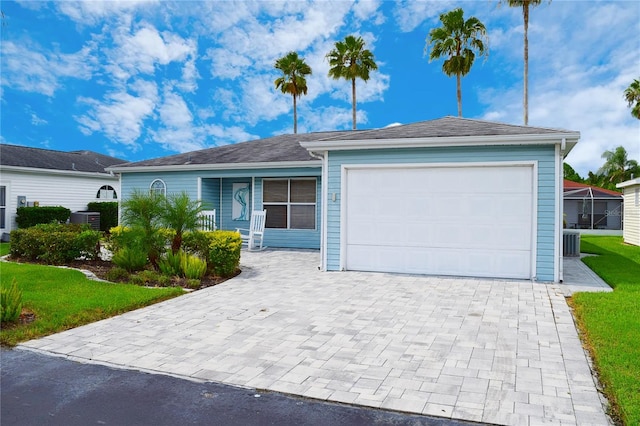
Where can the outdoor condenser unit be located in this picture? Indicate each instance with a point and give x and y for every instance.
(90, 218)
(571, 243)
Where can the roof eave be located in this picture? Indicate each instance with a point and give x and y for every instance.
(222, 166)
(629, 182)
(76, 173)
(571, 139)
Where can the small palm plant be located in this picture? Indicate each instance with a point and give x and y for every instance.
(181, 214)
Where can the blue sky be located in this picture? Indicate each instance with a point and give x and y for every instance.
(143, 79)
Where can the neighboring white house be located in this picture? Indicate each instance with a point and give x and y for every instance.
(52, 178)
(631, 225)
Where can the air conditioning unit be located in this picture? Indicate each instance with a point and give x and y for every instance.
(90, 218)
(571, 243)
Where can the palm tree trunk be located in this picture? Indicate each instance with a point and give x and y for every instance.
(459, 93)
(525, 100)
(295, 115)
(353, 101)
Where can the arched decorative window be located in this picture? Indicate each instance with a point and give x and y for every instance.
(107, 192)
(158, 187)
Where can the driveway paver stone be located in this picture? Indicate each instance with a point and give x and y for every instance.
(496, 351)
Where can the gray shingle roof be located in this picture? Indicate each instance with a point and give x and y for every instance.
(286, 148)
(446, 127)
(79, 161)
(269, 150)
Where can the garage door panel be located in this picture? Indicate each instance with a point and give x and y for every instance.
(469, 221)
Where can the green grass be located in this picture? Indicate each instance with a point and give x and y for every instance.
(4, 249)
(610, 322)
(64, 298)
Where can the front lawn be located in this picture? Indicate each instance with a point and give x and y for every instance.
(64, 298)
(610, 322)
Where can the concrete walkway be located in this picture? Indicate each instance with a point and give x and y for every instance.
(494, 351)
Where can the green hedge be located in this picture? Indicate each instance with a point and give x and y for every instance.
(55, 243)
(224, 252)
(108, 213)
(30, 216)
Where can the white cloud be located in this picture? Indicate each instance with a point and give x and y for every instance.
(121, 115)
(142, 51)
(94, 11)
(410, 14)
(37, 121)
(319, 119)
(30, 67)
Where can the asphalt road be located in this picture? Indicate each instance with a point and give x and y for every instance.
(37, 389)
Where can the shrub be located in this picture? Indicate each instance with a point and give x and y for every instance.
(10, 302)
(164, 281)
(117, 274)
(182, 264)
(55, 243)
(193, 284)
(30, 216)
(192, 267)
(224, 252)
(198, 243)
(108, 213)
(131, 258)
(170, 264)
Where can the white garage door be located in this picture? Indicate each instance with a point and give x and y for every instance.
(458, 220)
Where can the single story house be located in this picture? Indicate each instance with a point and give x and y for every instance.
(449, 196)
(631, 225)
(591, 207)
(30, 176)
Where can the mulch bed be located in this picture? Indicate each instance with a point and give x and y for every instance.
(101, 268)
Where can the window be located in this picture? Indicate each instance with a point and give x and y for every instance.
(107, 192)
(158, 187)
(290, 203)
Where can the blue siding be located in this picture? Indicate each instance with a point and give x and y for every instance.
(544, 155)
(210, 193)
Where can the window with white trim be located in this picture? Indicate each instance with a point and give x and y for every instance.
(158, 187)
(107, 192)
(290, 203)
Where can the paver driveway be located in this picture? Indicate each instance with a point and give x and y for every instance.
(495, 351)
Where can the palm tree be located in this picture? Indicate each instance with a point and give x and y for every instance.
(141, 211)
(180, 213)
(458, 41)
(632, 96)
(292, 81)
(617, 166)
(350, 60)
(525, 5)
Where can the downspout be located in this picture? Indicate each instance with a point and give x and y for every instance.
(323, 215)
(560, 209)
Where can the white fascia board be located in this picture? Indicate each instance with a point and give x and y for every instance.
(37, 171)
(626, 183)
(532, 139)
(224, 166)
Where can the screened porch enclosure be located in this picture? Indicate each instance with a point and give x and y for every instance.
(592, 208)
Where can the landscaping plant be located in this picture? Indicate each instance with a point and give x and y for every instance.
(181, 214)
(55, 243)
(10, 302)
(132, 258)
(224, 252)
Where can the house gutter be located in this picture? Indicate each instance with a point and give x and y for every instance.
(559, 258)
(324, 157)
